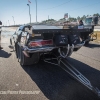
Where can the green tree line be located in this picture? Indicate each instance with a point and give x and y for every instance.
(70, 18)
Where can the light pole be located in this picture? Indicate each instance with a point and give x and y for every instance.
(8, 23)
(36, 10)
(48, 17)
(13, 19)
(29, 13)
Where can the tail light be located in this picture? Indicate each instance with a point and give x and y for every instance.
(40, 43)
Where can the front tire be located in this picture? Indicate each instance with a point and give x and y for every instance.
(16, 49)
(10, 42)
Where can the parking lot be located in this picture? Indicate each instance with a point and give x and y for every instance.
(50, 82)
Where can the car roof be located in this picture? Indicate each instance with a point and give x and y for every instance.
(45, 27)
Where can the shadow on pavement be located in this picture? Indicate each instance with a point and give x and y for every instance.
(56, 84)
(90, 45)
(4, 54)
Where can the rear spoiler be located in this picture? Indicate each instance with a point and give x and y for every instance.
(65, 31)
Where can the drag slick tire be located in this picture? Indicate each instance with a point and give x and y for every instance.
(87, 42)
(33, 59)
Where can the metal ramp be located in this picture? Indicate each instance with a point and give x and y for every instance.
(71, 70)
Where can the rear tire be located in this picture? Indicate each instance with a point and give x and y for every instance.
(33, 59)
(76, 49)
(86, 43)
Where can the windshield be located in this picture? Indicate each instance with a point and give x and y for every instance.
(88, 20)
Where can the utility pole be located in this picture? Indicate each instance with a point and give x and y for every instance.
(36, 10)
(29, 13)
(48, 17)
(13, 19)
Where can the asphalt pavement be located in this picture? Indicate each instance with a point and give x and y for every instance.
(46, 81)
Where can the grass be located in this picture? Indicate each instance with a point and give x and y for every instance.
(97, 33)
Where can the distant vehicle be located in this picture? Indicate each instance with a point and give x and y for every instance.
(92, 20)
(93, 23)
(32, 42)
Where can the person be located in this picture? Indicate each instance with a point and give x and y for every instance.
(81, 22)
(0, 35)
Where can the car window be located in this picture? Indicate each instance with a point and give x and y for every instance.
(21, 28)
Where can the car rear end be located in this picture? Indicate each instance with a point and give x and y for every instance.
(49, 38)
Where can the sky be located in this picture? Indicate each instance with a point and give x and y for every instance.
(18, 11)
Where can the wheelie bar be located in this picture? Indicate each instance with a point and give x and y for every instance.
(65, 65)
(71, 70)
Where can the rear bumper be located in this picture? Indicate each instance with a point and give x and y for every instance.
(33, 50)
(47, 49)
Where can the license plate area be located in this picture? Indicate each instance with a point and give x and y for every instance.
(60, 40)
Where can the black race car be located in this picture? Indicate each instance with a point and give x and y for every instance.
(33, 42)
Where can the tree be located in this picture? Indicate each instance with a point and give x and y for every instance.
(87, 16)
(78, 18)
(62, 19)
(97, 14)
(72, 19)
(83, 17)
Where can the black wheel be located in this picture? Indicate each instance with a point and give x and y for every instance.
(11, 46)
(76, 49)
(16, 49)
(10, 42)
(33, 59)
(87, 42)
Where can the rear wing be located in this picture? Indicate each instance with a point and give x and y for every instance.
(59, 31)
